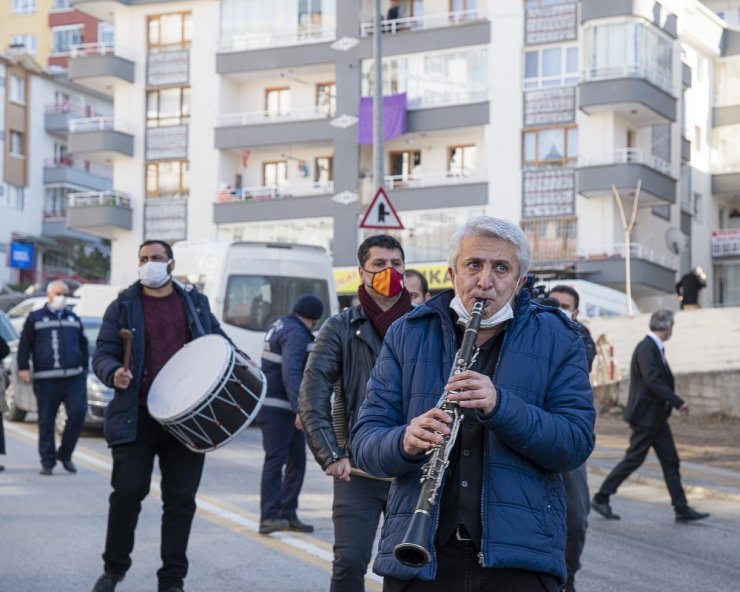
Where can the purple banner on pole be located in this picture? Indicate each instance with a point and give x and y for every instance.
(394, 118)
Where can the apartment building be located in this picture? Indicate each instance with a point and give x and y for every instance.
(38, 171)
(47, 29)
(244, 119)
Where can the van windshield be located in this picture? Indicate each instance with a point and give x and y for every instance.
(254, 302)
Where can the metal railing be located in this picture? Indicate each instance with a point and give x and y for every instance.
(267, 39)
(94, 168)
(427, 21)
(104, 48)
(269, 192)
(631, 155)
(66, 108)
(637, 251)
(646, 71)
(98, 198)
(262, 117)
(434, 179)
(99, 124)
(445, 99)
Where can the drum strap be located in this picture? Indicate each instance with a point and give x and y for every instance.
(194, 314)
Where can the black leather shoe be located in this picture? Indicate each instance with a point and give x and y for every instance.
(2, 468)
(175, 588)
(69, 466)
(106, 583)
(273, 525)
(690, 515)
(604, 509)
(46, 471)
(297, 526)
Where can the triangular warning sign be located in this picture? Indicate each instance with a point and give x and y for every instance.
(381, 213)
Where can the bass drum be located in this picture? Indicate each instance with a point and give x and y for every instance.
(207, 393)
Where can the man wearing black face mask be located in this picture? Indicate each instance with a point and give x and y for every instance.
(162, 317)
(343, 356)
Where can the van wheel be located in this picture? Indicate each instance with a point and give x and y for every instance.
(14, 413)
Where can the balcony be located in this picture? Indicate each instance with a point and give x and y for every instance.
(79, 173)
(102, 138)
(101, 213)
(272, 203)
(100, 65)
(651, 273)
(262, 128)
(421, 191)
(637, 92)
(58, 116)
(424, 22)
(626, 166)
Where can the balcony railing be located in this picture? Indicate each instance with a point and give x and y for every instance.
(68, 108)
(267, 39)
(637, 251)
(434, 179)
(262, 117)
(631, 155)
(94, 168)
(267, 192)
(444, 99)
(82, 50)
(646, 71)
(98, 198)
(99, 124)
(428, 21)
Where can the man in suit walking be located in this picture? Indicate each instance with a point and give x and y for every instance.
(650, 402)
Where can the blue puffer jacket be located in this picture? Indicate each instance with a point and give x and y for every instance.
(284, 356)
(125, 312)
(541, 426)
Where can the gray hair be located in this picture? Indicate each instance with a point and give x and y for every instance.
(51, 286)
(661, 320)
(491, 227)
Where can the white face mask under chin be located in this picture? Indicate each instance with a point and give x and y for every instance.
(58, 303)
(153, 274)
(503, 315)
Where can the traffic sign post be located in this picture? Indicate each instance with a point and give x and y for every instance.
(381, 213)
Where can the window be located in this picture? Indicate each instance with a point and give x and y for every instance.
(170, 32)
(27, 42)
(404, 164)
(168, 179)
(326, 97)
(60, 5)
(551, 66)
(462, 160)
(550, 146)
(16, 199)
(24, 6)
(323, 170)
(277, 101)
(55, 201)
(17, 144)
(17, 89)
(275, 174)
(65, 37)
(170, 106)
(106, 33)
(460, 5)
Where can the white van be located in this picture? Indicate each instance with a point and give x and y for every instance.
(251, 284)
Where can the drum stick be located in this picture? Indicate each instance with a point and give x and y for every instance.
(126, 335)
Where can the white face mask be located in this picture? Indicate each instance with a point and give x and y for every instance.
(58, 303)
(501, 316)
(567, 313)
(153, 274)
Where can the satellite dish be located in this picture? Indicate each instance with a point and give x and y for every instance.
(675, 240)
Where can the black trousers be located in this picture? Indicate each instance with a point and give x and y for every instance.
(458, 569)
(642, 439)
(578, 504)
(132, 471)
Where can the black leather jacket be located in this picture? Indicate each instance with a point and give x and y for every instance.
(342, 358)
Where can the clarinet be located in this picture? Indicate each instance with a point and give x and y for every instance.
(414, 549)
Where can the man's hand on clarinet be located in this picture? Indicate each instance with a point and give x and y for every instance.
(122, 378)
(340, 468)
(476, 391)
(425, 431)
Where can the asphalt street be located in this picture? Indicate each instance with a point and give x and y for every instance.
(52, 529)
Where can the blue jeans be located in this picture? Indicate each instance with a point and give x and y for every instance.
(285, 446)
(50, 394)
(358, 504)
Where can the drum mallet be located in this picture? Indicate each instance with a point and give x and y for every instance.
(127, 336)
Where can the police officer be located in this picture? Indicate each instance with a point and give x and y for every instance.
(54, 339)
(284, 356)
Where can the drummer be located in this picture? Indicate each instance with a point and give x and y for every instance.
(162, 318)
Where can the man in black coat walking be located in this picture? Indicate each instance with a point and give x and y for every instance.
(650, 403)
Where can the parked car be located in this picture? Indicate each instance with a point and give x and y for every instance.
(20, 397)
(9, 297)
(20, 311)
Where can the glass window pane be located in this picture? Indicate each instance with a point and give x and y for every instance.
(171, 29)
(169, 104)
(152, 105)
(571, 60)
(151, 179)
(530, 146)
(530, 64)
(185, 102)
(572, 142)
(185, 183)
(551, 145)
(551, 62)
(169, 178)
(154, 31)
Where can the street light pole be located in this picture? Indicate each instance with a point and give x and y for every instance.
(378, 156)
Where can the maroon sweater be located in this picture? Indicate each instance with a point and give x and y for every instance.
(165, 333)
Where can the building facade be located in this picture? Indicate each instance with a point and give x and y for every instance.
(242, 120)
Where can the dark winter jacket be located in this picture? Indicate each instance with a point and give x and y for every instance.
(284, 355)
(125, 312)
(340, 362)
(56, 342)
(542, 425)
